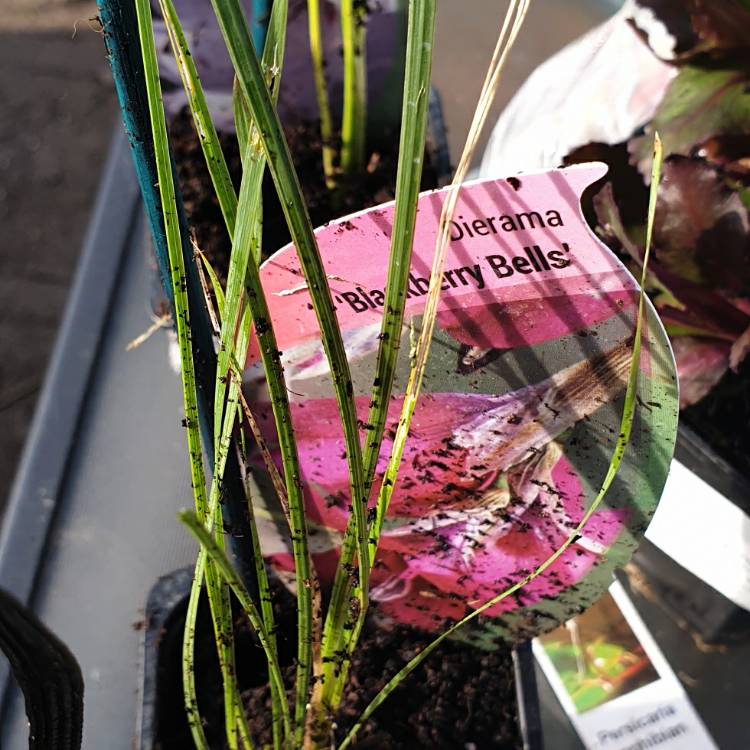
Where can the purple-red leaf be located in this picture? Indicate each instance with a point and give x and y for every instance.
(610, 223)
(740, 349)
(684, 305)
(701, 363)
(708, 331)
(702, 232)
(721, 24)
(697, 307)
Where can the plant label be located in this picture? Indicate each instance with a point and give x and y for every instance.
(519, 413)
(614, 683)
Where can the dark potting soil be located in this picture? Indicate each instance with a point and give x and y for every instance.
(376, 185)
(461, 697)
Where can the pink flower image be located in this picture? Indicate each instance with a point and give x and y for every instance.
(517, 417)
(484, 494)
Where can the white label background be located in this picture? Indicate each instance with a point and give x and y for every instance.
(705, 533)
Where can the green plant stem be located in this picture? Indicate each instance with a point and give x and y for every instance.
(224, 418)
(218, 558)
(243, 265)
(261, 574)
(220, 605)
(247, 242)
(219, 600)
(221, 452)
(215, 287)
(314, 583)
(508, 33)
(241, 117)
(354, 119)
(246, 245)
(514, 18)
(258, 313)
(266, 611)
(623, 439)
(338, 639)
(321, 92)
(287, 446)
(415, 110)
(273, 472)
(207, 136)
(249, 75)
(244, 283)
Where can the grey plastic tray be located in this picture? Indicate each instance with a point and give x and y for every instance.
(91, 521)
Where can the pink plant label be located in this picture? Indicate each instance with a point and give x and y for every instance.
(519, 413)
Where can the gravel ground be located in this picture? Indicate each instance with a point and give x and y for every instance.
(57, 110)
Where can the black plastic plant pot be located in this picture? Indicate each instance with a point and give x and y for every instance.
(161, 719)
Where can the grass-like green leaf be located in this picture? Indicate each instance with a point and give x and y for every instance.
(241, 117)
(235, 721)
(626, 426)
(219, 559)
(209, 140)
(293, 481)
(354, 118)
(321, 91)
(250, 77)
(215, 287)
(421, 28)
(265, 452)
(244, 270)
(246, 244)
(261, 574)
(243, 283)
(266, 611)
(217, 595)
(514, 18)
(414, 115)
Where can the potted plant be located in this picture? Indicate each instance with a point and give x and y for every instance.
(688, 78)
(306, 86)
(548, 477)
(689, 81)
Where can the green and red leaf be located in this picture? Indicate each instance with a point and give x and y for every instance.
(700, 104)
